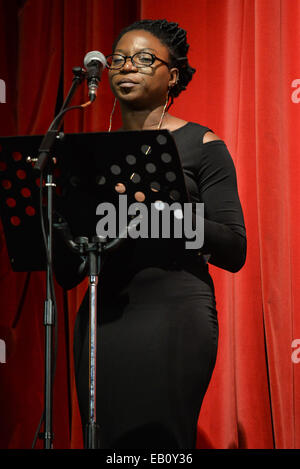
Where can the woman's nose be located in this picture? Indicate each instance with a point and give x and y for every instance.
(128, 65)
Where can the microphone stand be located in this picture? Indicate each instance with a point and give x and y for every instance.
(92, 251)
(44, 163)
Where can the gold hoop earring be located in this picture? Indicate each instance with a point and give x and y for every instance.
(111, 115)
(164, 110)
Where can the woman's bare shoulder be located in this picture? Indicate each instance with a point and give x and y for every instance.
(209, 137)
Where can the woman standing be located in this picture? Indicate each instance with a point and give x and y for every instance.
(158, 329)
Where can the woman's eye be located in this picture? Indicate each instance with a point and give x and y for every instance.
(117, 61)
(145, 58)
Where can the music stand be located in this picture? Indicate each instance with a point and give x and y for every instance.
(19, 203)
(93, 166)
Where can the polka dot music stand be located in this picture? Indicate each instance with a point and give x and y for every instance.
(144, 166)
(92, 169)
(19, 203)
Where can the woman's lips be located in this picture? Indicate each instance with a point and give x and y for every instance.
(127, 84)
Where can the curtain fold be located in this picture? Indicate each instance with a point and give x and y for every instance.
(246, 89)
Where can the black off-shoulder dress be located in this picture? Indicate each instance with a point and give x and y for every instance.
(157, 326)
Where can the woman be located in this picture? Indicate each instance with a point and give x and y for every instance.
(158, 328)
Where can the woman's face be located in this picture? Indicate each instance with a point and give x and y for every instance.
(146, 87)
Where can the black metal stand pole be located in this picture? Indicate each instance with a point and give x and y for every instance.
(49, 322)
(94, 268)
(92, 250)
(49, 316)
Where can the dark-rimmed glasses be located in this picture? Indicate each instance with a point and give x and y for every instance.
(139, 60)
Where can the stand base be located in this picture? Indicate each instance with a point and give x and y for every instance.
(92, 436)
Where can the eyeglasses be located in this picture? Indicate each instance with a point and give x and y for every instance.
(139, 60)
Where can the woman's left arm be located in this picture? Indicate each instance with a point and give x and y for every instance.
(224, 227)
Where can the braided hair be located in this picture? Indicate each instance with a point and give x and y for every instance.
(174, 38)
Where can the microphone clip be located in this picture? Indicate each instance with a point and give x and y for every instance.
(79, 73)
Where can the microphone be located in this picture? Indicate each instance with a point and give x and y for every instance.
(94, 62)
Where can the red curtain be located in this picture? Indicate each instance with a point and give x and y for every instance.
(247, 89)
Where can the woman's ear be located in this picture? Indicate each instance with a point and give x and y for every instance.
(174, 77)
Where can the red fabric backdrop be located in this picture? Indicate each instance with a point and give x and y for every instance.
(247, 89)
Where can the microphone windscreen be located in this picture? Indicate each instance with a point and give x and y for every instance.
(94, 55)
